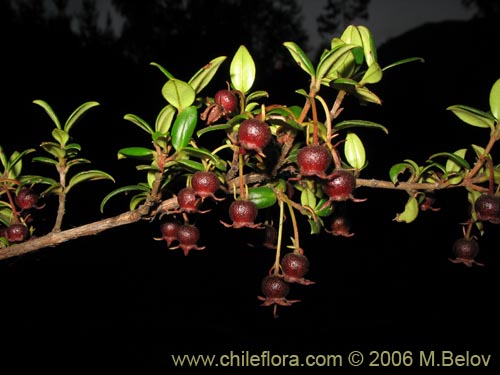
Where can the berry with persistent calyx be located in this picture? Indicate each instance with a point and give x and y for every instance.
(340, 185)
(205, 184)
(465, 251)
(314, 160)
(275, 291)
(254, 135)
(16, 232)
(169, 230)
(188, 201)
(227, 100)
(487, 208)
(26, 198)
(294, 267)
(243, 214)
(188, 236)
(340, 226)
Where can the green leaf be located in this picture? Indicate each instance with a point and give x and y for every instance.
(242, 70)
(45, 160)
(60, 136)
(257, 95)
(134, 119)
(472, 116)
(300, 58)
(136, 153)
(15, 162)
(121, 190)
(32, 179)
(458, 161)
(91, 175)
(200, 153)
(351, 35)
(178, 93)
(77, 115)
(262, 196)
(404, 61)
(164, 119)
(54, 149)
(50, 112)
(495, 100)
(369, 49)
(184, 127)
(372, 75)
(454, 158)
(203, 77)
(360, 123)
(354, 151)
(163, 70)
(322, 209)
(212, 128)
(3, 158)
(191, 165)
(307, 198)
(332, 60)
(78, 161)
(365, 95)
(399, 168)
(410, 212)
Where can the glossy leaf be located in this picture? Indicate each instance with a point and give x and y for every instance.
(361, 124)
(32, 179)
(472, 116)
(351, 35)
(60, 136)
(212, 128)
(77, 115)
(495, 100)
(141, 123)
(322, 209)
(163, 70)
(184, 127)
(403, 61)
(78, 161)
(45, 160)
(242, 70)
(365, 95)
(121, 190)
(200, 153)
(332, 59)
(399, 168)
(203, 76)
(54, 149)
(178, 93)
(136, 153)
(372, 75)
(15, 162)
(50, 112)
(455, 164)
(369, 49)
(164, 119)
(307, 198)
(354, 151)
(460, 161)
(256, 95)
(3, 158)
(262, 196)
(191, 165)
(88, 176)
(300, 58)
(410, 212)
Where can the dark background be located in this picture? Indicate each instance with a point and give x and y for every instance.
(120, 300)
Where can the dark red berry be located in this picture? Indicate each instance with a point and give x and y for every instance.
(227, 100)
(487, 208)
(26, 198)
(314, 160)
(274, 287)
(465, 251)
(169, 231)
(294, 267)
(16, 232)
(187, 200)
(243, 214)
(254, 135)
(188, 236)
(340, 185)
(205, 184)
(340, 226)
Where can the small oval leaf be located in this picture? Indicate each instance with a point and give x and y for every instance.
(203, 76)
(262, 196)
(242, 70)
(60, 136)
(354, 151)
(300, 58)
(472, 116)
(184, 127)
(49, 111)
(77, 115)
(164, 119)
(178, 93)
(495, 100)
(88, 176)
(410, 212)
(136, 153)
(139, 122)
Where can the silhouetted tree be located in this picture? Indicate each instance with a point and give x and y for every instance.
(484, 8)
(338, 13)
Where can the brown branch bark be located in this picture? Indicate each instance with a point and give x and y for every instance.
(55, 238)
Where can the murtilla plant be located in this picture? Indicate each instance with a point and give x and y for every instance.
(275, 162)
